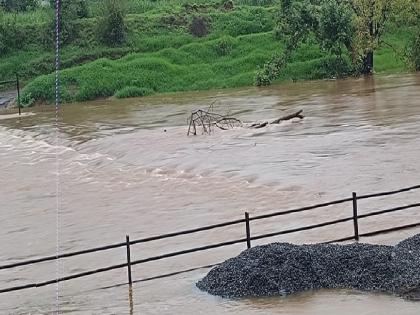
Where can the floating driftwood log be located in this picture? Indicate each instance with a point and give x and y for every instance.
(207, 120)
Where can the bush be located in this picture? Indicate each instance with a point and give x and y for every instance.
(413, 51)
(133, 91)
(82, 8)
(17, 37)
(111, 26)
(278, 33)
(199, 27)
(12, 35)
(228, 5)
(67, 25)
(224, 45)
(27, 100)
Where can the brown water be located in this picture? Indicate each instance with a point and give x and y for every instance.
(121, 173)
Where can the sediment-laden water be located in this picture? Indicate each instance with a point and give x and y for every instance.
(121, 173)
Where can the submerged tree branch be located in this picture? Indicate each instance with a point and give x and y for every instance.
(208, 120)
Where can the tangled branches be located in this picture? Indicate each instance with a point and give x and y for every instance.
(208, 120)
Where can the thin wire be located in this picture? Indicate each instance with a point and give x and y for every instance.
(57, 138)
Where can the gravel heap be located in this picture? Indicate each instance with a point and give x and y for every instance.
(283, 269)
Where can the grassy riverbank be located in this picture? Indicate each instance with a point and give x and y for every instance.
(160, 55)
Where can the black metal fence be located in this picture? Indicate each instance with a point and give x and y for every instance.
(17, 83)
(354, 218)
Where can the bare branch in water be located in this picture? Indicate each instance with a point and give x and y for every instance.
(208, 120)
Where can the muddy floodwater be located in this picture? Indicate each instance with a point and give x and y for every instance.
(127, 167)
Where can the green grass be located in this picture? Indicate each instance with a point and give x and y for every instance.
(133, 91)
(194, 66)
(148, 32)
(389, 58)
(160, 56)
(31, 17)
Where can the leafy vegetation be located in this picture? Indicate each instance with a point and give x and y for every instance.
(135, 48)
(133, 91)
(18, 5)
(111, 25)
(199, 27)
(353, 27)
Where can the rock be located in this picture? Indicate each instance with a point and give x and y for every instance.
(283, 269)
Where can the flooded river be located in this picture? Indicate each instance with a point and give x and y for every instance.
(128, 167)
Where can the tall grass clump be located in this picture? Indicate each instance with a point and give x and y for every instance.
(195, 66)
(133, 91)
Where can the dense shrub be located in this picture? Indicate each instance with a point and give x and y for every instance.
(199, 26)
(68, 16)
(15, 37)
(321, 68)
(414, 51)
(228, 5)
(111, 26)
(82, 8)
(133, 91)
(27, 100)
(225, 45)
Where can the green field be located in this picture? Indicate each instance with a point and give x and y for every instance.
(159, 55)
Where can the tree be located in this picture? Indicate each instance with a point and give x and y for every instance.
(371, 19)
(413, 46)
(336, 27)
(413, 50)
(327, 22)
(355, 27)
(111, 26)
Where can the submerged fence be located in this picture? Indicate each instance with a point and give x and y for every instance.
(17, 82)
(246, 221)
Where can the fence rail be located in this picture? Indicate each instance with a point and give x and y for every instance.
(248, 239)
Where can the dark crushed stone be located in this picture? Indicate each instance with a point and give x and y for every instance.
(283, 269)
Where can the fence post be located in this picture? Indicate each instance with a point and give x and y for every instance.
(18, 92)
(248, 231)
(355, 218)
(127, 240)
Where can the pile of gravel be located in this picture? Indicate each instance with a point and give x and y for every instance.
(283, 269)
